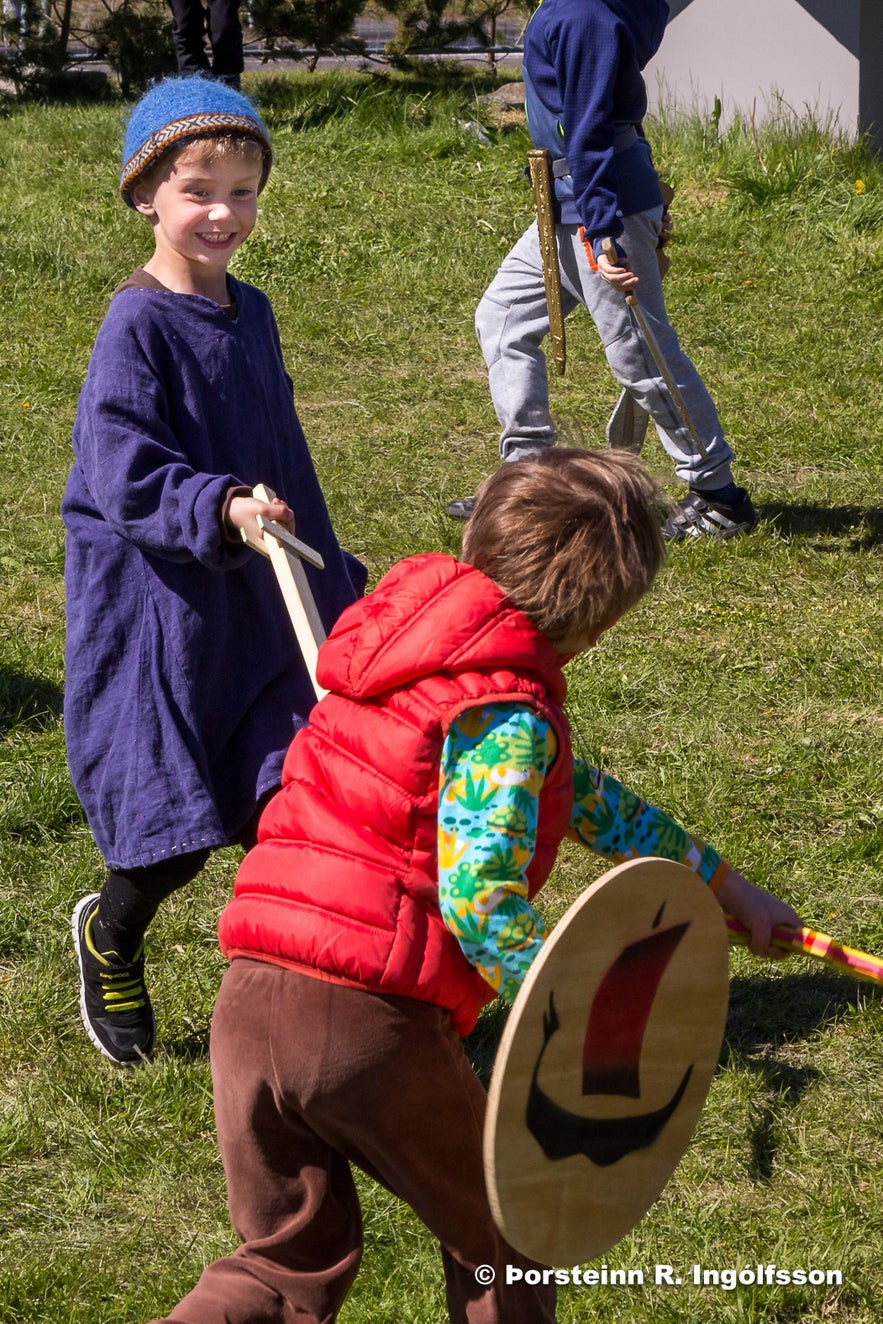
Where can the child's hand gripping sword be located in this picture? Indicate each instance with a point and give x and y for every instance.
(287, 554)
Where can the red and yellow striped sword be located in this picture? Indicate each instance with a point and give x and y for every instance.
(820, 945)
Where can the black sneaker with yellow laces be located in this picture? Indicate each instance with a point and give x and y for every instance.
(114, 1002)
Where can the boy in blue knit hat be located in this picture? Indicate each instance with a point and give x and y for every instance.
(184, 681)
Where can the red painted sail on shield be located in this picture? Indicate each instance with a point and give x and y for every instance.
(620, 1011)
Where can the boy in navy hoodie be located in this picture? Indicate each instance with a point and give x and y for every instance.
(586, 99)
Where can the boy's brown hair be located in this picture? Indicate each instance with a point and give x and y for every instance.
(212, 147)
(572, 537)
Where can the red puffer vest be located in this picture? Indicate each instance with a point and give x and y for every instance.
(343, 883)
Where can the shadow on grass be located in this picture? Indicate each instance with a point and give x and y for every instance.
(766, 1014)
(859, 527)
(28, 701)
(190, 1047)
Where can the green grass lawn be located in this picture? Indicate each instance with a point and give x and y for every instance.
(743, 695)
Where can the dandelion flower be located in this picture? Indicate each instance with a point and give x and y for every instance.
(859, 186)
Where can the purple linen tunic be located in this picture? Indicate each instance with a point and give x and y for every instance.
(184, 683)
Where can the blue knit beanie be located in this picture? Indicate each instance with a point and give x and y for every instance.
(177, 110)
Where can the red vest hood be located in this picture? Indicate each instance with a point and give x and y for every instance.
(432, 614)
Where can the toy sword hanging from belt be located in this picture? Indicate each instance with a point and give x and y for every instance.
(540, 164)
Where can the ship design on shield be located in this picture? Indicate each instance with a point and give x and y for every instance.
(611, 1059)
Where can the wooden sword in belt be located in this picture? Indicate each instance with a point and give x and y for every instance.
(540, 164)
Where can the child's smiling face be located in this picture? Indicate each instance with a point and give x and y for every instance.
(201, 211)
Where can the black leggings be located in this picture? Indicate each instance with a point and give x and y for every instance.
(192, 20)
(130, 898)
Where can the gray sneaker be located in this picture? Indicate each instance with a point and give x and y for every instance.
(698, 517)
(461, 509)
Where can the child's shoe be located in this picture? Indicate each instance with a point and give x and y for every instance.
(462, 508)
(700, 515)
(114, 1002)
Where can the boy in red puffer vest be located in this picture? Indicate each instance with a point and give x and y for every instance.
(390, 894)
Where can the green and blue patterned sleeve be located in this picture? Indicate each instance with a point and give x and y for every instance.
(613, 821)
(493, 764)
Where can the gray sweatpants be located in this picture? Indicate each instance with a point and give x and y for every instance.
(512, 321)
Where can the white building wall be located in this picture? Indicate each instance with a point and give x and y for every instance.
(819, 55)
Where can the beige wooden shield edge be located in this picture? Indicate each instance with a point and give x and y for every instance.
(572, 1221)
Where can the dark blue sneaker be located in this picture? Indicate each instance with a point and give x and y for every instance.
(700, 516)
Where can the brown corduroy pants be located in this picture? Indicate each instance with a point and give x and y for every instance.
(310, 1077)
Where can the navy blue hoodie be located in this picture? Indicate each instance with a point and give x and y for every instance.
(584, 90)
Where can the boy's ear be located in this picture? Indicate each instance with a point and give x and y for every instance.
(142, 200)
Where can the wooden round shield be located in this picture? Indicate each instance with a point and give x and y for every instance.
(605, 1062)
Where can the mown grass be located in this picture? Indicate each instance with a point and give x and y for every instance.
(743, 695)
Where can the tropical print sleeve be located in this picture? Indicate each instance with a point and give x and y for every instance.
(493, 764)
(613, 821)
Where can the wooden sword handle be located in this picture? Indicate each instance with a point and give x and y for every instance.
(296, 592)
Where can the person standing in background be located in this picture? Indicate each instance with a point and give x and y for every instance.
(192, 22)
(586, 101)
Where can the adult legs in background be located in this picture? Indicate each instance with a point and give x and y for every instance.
(192, 22)
(188, 34)
(225, 38)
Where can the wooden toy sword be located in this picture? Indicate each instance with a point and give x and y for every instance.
(287, 554)
(540, 164)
